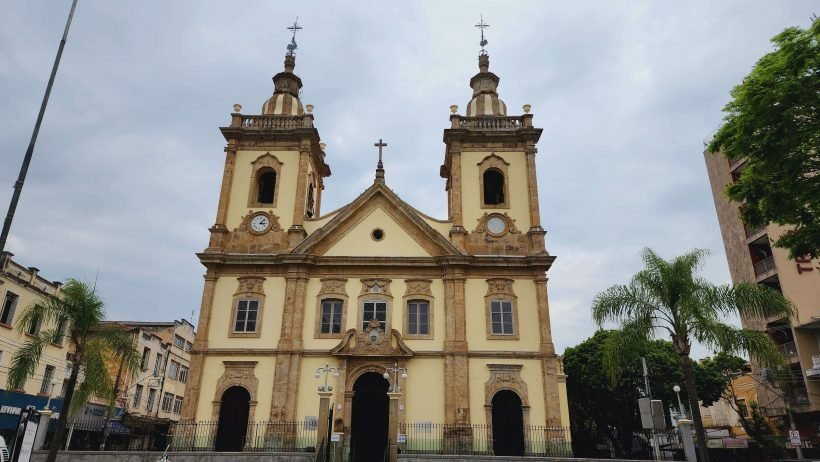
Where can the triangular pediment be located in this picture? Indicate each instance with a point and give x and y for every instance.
(404, 232)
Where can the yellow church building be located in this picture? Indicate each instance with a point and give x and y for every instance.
(420, 334)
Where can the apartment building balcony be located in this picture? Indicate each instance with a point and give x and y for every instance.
(789, 351)
(754, 232)
(735, 163)
(799, 397)
(765, 266)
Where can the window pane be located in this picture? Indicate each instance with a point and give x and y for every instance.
(240, 325)
(424, 324)
(497, 328)
(243, 305)
(412, 325)
(496, 317)
(250, 326)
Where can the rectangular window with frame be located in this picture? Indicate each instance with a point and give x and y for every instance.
(189, 346)
(45, 387)
(246, 313)
(137, 395)
(60, 332)
(331, 316)
(146, 356)
(418, 317)
(173, 370)
(374, 310)
(34, 326)
(9, 305)
(179, 342)
(501, 316)
(178, 405)
(183, 374)
(152, 394)
(167, 401)
(158, 365)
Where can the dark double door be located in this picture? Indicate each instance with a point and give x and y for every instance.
(233, 420)
(369, 418)
(508, 424)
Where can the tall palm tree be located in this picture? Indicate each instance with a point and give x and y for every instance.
(667, 297)
(78, 315)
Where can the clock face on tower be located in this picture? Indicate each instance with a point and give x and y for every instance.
(260, 223)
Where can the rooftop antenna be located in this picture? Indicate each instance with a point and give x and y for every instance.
(293, 28)
(482, 25)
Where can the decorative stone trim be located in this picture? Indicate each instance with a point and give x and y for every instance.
(375, 290)
(505, 377)
(248, 288)
(332, 288)
(482, 227)
(418, 289)
(494, 162)
(264, 163)
(241, 374)
(500, 289)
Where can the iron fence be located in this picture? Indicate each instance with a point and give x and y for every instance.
(669, 444)
(432, 438)
(297, 436)
(123, 435)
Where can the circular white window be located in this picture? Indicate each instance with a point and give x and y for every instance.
(496, 225)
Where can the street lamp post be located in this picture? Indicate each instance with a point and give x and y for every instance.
(394, 393)
(676, 389)
(394, 387)
(325, 391)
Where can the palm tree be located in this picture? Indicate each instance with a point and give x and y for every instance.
(78, 314)
(667, 297)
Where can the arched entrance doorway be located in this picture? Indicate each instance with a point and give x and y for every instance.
(369, 418)
(233, 419)
(508, 424)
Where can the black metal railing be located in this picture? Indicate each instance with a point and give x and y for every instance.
(129, 434)
(259, 436)
(764, 266)
(432, 438)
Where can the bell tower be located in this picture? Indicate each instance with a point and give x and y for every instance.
(489, 164)
(274, 171)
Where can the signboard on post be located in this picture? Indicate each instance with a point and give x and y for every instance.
(652, 417)
(794, 437)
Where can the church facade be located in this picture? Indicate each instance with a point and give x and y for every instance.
(409, 318)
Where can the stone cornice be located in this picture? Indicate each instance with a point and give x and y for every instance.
(318, 263)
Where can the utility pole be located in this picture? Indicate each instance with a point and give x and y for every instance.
(18, 185)
(655, 448)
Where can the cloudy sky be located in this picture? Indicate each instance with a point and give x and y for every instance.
(124, 182)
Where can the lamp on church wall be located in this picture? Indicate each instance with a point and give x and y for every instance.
(394, 387)
(325, 371)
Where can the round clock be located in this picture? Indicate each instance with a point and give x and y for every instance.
(260, 223)
(496, 225)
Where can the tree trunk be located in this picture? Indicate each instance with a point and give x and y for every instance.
(110, 411)
(691, 392)
(57, 439)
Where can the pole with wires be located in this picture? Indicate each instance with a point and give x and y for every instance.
(18, 185)
(655, 447)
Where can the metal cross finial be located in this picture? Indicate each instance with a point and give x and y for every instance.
(293, 28)
(380, 165)
(482, 25)
(381, 144)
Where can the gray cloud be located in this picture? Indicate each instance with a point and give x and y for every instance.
(127, 169)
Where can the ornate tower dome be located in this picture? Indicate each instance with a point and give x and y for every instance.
(285, 99)
(485, 100)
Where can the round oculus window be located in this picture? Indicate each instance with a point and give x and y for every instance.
(377, 234)
(496, 225)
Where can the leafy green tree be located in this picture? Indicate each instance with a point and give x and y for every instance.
(78, 314)
(600, 408)
(774, 121)
(668, 298)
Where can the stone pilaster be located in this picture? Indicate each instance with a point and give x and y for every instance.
(227, 180)
(393, 427)
(289, 358)
(296, 233)
(200, 346)
(456, 363)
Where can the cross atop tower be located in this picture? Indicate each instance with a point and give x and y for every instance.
(380, 166)
(293, 28)
(482, 25)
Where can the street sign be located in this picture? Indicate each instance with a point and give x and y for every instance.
(336, 437)
(794, 437)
